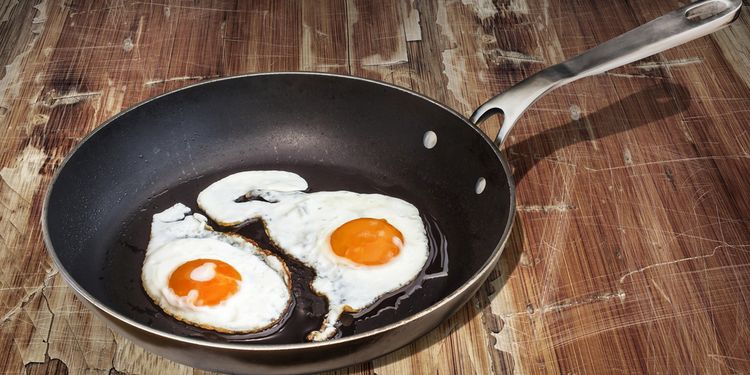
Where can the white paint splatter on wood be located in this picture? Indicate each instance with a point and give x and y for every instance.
(668, 64)
(497, 56)
(157, 81)
(127, 44)
(410, 16)
(559, 207)
(484, 9)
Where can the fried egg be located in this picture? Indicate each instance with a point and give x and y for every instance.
(361, 246)
(211, 279)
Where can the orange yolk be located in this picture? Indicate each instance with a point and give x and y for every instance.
(223, 284)
(367, 241)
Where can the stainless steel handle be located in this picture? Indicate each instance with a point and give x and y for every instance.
(680, 26)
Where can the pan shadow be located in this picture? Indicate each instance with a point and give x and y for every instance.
(651, 104)
(646, 106)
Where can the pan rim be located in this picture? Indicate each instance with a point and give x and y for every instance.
(460, 291)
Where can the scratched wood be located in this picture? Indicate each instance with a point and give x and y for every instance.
(631, 250)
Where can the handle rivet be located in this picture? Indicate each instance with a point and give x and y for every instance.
(480, 185)
(429, 140)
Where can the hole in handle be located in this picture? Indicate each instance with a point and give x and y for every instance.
(482, 114)
(705, 11)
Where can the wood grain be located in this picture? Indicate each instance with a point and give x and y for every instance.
(631, 250)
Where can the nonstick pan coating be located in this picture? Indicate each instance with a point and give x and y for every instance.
(339, 133)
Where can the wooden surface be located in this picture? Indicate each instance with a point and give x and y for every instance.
(631, 250)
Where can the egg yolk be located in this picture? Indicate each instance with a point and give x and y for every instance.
(367, 241)
(212, 279)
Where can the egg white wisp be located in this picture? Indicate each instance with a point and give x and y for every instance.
(361, 246)
(210, 279)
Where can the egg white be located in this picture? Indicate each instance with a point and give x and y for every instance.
(263, 295)
(301, 225)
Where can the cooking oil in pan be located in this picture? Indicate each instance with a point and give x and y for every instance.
(308, 309)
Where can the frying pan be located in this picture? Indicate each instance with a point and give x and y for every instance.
(338, 132)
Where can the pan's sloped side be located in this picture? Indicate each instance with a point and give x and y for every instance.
(311, 358)
(292, 121)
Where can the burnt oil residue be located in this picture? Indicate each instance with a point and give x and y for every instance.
(121, 273)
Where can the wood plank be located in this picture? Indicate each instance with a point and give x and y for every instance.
(324, 37)
(629, 253)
